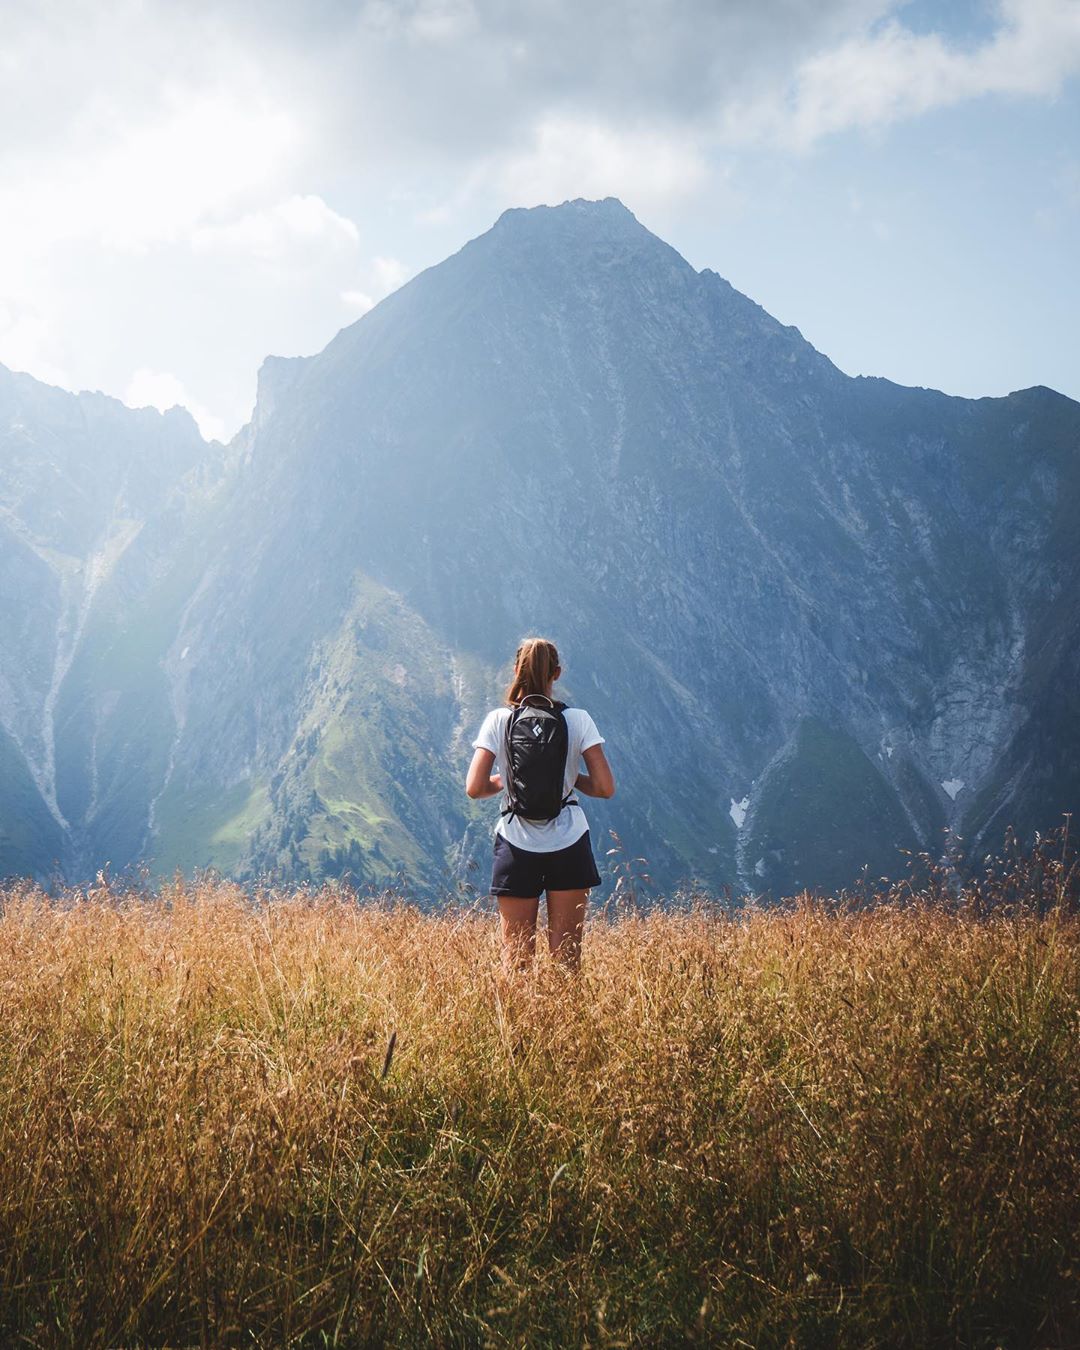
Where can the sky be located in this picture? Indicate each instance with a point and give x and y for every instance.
(188, 188)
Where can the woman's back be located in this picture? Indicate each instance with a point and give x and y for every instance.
(570, 824)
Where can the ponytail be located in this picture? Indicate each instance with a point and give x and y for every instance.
(534, 669)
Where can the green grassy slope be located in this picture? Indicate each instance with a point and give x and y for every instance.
(823, 814)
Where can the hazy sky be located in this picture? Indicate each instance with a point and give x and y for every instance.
(187, 187)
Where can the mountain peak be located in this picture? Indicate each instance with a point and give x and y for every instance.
(597, 209)
(606, 217)
(579, 229)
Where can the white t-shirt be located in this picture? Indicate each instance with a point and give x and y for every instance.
(543, 836)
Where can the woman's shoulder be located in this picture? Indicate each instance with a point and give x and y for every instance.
(491, 731)
(580, 723)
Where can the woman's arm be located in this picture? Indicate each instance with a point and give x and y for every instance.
(598, 780)
(480, 781)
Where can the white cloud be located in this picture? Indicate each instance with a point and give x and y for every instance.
(390, 273)
(299, 222)
(891, 73)
(358, 300)
(161, 390)
(442, 20)
(25, 343)
(149, 183)
(125, 129)
(581, 158)
(385, 275)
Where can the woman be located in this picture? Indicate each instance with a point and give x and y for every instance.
(531, 855)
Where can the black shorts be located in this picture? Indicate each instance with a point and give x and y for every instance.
(522, 872)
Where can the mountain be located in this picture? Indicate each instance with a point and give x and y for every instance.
(97, 503)
(817, 618)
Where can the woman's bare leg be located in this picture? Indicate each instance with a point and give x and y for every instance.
(518, 918)
(566, 919)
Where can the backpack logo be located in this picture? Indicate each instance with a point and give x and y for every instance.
(538, 730)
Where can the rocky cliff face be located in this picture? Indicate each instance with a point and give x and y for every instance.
(96, 501)
(817, 618)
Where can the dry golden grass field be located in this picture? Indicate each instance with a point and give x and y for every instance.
(239, 1118)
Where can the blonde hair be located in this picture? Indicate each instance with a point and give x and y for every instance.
(535, 665)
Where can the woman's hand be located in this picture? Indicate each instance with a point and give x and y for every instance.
(598, 781)
(480, 781)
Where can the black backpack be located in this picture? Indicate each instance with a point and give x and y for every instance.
(534, 759)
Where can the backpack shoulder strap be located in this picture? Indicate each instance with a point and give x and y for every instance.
(569, 799)
(510, 809)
